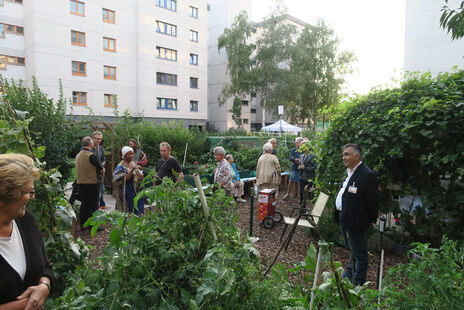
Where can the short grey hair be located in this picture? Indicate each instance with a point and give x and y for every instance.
(356, 148)
(219, 150)
(299, 139)
(267, 148)
(86, 141)
(97, 133)
(228, 156)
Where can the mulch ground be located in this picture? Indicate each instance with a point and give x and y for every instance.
(269, 243)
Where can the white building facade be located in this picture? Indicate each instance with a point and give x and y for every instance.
(149, 54)
(428, 47)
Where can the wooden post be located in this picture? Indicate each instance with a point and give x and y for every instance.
(196, 177)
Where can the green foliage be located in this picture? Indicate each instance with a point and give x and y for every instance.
(453, 20)
(48, 124)
(409, 138)
(168, 260)
(150, 135)
(431, 281)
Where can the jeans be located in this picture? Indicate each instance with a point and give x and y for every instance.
(102, 191)
(358, 245)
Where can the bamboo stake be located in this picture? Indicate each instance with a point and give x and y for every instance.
(316, 277)
(196, 177)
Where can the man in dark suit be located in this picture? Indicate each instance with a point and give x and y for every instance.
(357, 205)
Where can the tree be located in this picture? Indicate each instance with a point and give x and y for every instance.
(316, 71)
(453, 20)
(235, 41)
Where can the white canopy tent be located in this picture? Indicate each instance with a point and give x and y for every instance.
(282, 126)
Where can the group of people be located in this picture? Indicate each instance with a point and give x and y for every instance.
(26, 274)
(127, 176)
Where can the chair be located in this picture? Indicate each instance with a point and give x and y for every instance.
(315, 215)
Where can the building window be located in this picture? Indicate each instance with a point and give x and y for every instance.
(166, 78)
(12, 60)
(79, 98)
(14, 1)
(3, 61)
(166, 104)
(193, 105)
(166, 53)
(193, 12)
(193, 82)
(193, 35)
(108, 16)
(109, 72)
(13, 29)
(2, 30)
(245, 121)
(77, 8)
(167, 4)
(194, 59)
(166, 28)
(109, 44)
(244, 102)
(253, 111)
(109, 100)
(78, 68)
(77, 38)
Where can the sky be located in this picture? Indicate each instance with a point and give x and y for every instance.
(372, 29)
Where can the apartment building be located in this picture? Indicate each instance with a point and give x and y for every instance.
(149, 54)
(427, 46)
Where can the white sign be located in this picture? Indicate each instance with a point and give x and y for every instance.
(281, 110)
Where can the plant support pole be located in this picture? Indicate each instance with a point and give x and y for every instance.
(196, 177)
(185, 154)
(382, 221)
(252, 203)
(316, 277)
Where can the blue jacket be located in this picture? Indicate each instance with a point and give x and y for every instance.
(234, 168)
(294, 154)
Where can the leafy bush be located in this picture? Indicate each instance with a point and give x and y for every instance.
(409, 138)
(48, 124)
(168, 260)
(150, 135)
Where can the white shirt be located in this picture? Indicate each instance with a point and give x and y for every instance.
(338, 201)
(12, 250)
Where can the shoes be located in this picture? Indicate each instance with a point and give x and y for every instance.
(241, 200)
(285, 197)
(102, 207)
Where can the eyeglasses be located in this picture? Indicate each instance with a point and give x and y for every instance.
(30, 193)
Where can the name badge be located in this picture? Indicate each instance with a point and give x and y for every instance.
(352, 189)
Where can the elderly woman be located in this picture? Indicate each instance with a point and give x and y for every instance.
(125, 179)
(268, 169)
(25, 273)
(223, 174)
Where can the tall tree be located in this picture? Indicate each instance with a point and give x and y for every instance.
(236, 42)
(317, 71)
(453, 20)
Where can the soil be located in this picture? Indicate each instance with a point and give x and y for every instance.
(268, 243)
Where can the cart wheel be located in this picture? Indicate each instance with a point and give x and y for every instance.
(268, 222)
(278, 216)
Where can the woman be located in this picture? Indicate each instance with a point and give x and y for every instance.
(307, 168)
(223, 174)
(294, 173)
(25, 273)
(238, 184)
(125, 178)
(268, 169)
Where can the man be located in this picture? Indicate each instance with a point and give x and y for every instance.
(167, 165)
(294, 180)
(98, 150)
(88, 170)
(357, 206)
(139, 156)
(307, 169)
